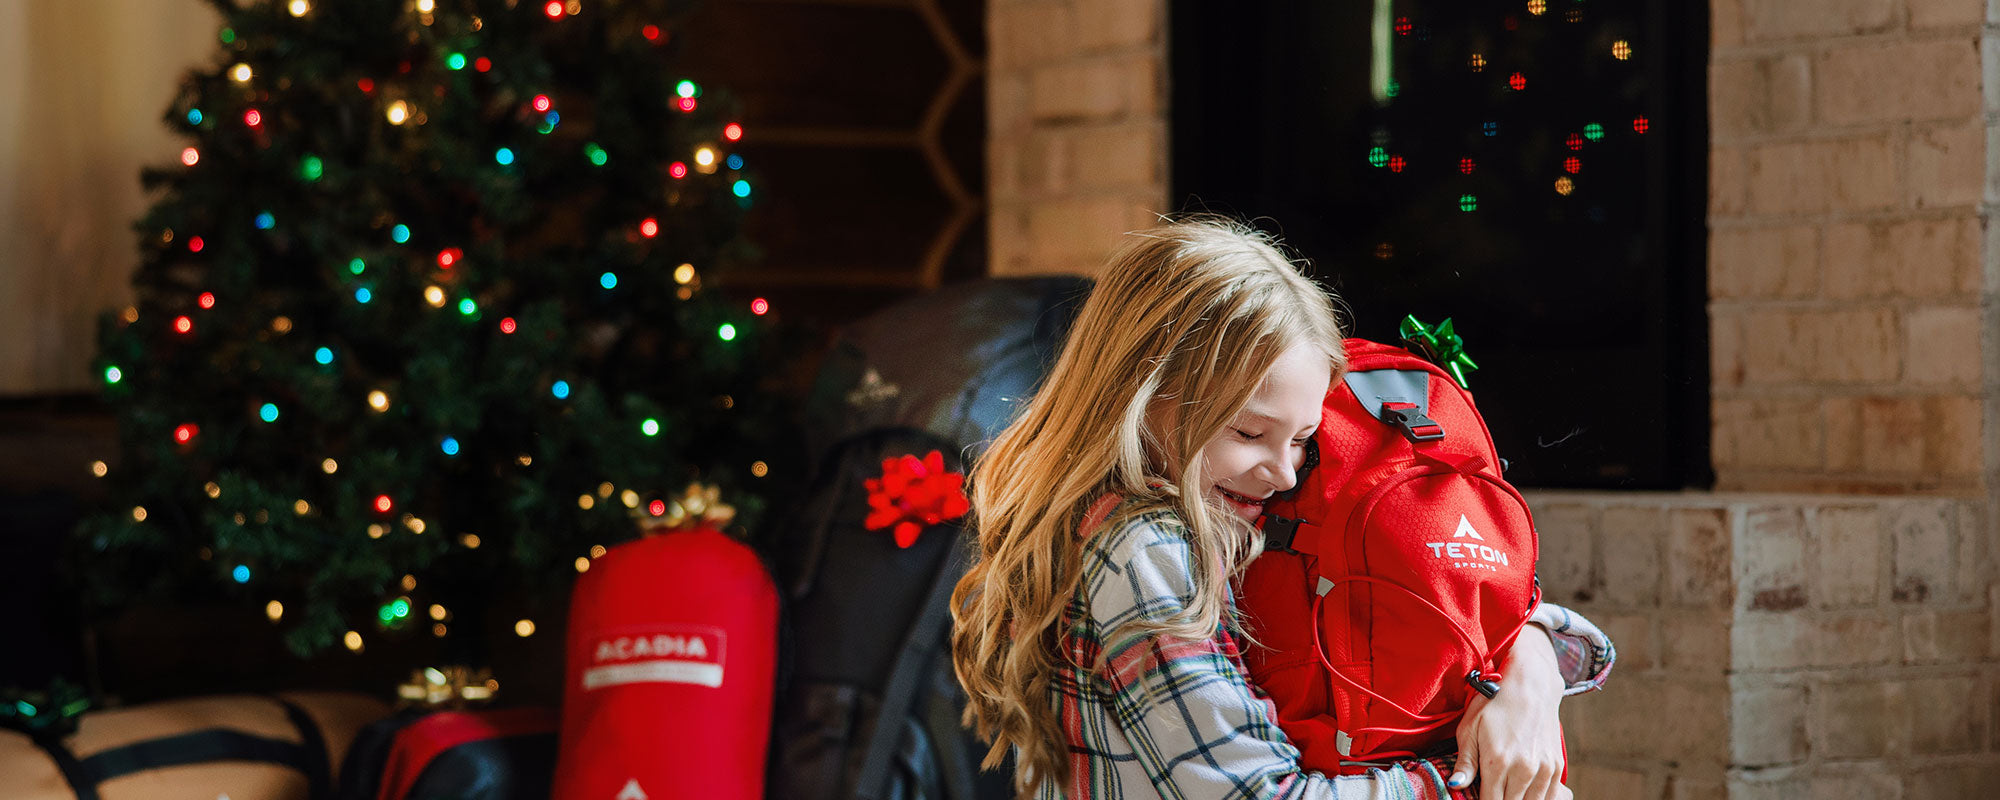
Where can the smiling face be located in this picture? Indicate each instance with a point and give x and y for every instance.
(1258, 454)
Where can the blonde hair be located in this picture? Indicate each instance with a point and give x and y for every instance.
(1184, 322)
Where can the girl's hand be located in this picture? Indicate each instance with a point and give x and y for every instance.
(1513, 741)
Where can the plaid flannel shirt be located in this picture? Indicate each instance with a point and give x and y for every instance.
(1178, 719)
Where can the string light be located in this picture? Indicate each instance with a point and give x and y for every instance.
(194, 116)
(704, 157)
(311, 168)
(678, 169)
(438, 613)
(438, 630)
(657, 508)
(651, 32)
(1621, 50)
(241, 573)
(1594, 132)
(735, 161)
(582, 564)
(1538, 7)
(415, 524)
(507, 325)
(353, 641)
(1396, 163)
(378, 400)
(649, 228)
(455, 62)
(1477, 61)
(1640, 124)
(99, 469)
(253, 118)
(240, 73)
(113, 374)
(183, 325)
(211, 489)
(597, 551)
(759, 469)
(362, 295)
(585, 502)
(400, 234)
(470, 540)
(560, 389)
(366, 85)
(275, 610)
(524, 628)
(651, 427)
(1517, 82)
(1468, 203)
(409, 585)
(449, 446)
(426, 6)
(1572, 165)
(727, 332)
(482, 64)
(684, 273)
(629, 498)
(608, 280)
(186, 432)
(742, 188)
(268, 412)
(760, 306)
(375, 531)
(329, 466)
(1573, 142)
(542, 102)
(1378, 157)
(281, 324)
(190, 156)
(685, 103)
(301, 508)
(1564, 186)
(356, 266)
(596, 154)
(138, 513)
(323, 355)
(265, 221)
(686, 88)
(1466, 166)
(467, 307)
(398, 112)
(732, 132)
(383, 504)
(554, 9)
(504, 156)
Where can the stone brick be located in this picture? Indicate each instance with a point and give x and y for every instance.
(1633, 635)
(1892, 434)
(1765, 20)
(1952, 781)
(1850, 783)
(1947, 165)
(1943, 345)
(1628, 723)
(1764, 262)
(1763, 642)
(1567, 555)
(1972, 567)
(1913, 258)
(1876, 81)
(1587, 780)
(1946, 13)
(1629, 540)
(1030, 34)
(1847, 345)
(1120, 156)
(1725, 356)
(1728, 182)
(1922, 537)
(1068, 232)
(1111, 24)
(1857, 174)
(1683, 786)
(1952, 435)
(1006, 108)
(1767, 725)
(1844, 452)
(1939, 637)
(1770, 562)
(1100, 88)
(1759, 95)
(1769, 433)
(1943, 715)
(1693, 644)
(1725, 24)
(1867, 719)
(1007, 227)
(1849, 552)
(1698, 551)
(1047, 166)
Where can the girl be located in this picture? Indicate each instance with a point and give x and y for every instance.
(1095, 635)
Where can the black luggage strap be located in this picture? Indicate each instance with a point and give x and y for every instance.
(1279, 533)
(906, 677)
(197, 747)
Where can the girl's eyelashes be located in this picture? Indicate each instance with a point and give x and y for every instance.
(1247, 436)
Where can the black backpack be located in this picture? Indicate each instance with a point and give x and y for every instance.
(871, 707)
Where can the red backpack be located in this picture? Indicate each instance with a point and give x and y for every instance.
(1395, 575)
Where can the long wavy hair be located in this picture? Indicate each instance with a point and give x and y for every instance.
(1184, 322)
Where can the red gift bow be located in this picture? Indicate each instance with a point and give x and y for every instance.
(913, 493)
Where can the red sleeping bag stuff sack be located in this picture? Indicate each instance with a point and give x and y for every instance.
(672, 658)
(1396, 574)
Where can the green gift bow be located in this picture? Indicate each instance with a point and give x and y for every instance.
(1441, 345)
(43, 713)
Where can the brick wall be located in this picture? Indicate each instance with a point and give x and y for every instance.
(1846, 273)
(1836, 634)
(1076, 109)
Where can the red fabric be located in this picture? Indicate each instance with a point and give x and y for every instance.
(1384, 515)
(672, 656)
(913, 494)
(426, 739)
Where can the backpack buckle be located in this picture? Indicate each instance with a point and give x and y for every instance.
(1414, 425)
(1279, 533)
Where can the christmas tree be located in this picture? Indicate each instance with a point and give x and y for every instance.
(420, 314)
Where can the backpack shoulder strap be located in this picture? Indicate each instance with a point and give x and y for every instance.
(906, 677)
